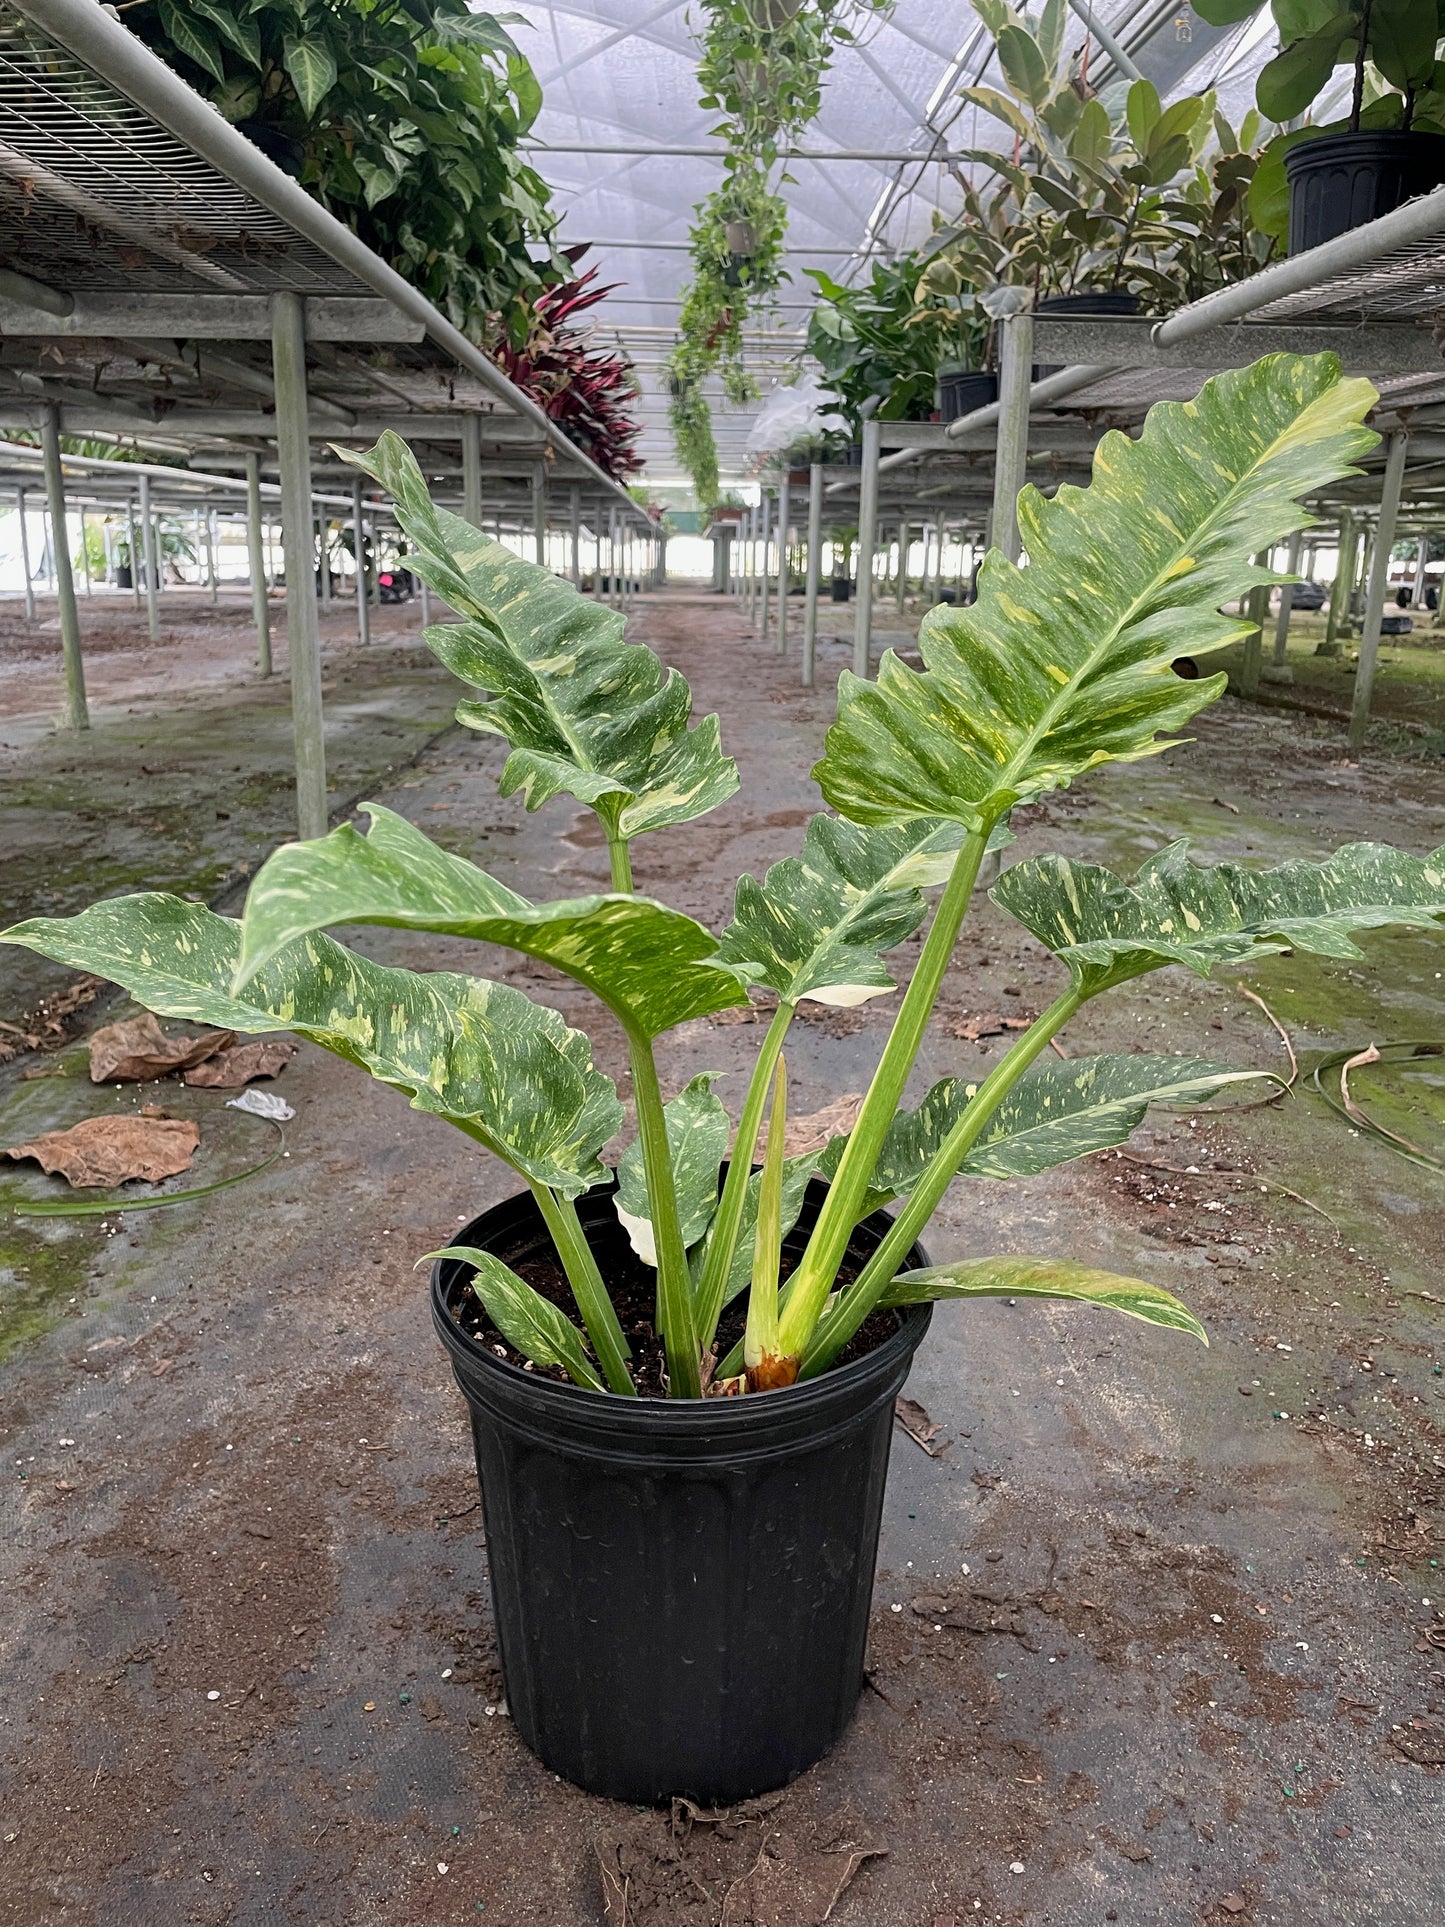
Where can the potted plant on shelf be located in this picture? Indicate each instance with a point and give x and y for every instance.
(681, 1377)
(1315, 182)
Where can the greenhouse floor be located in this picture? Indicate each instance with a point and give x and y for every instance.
(1151, 1641)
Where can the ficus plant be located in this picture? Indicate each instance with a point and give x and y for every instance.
(1395, 79)
(1059, 666)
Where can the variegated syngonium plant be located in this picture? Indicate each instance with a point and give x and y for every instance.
(1058, 666)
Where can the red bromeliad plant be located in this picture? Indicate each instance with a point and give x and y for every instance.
(586, 390)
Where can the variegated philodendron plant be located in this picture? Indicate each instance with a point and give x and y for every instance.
(1058, 666)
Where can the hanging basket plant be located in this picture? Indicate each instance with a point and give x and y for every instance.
(762, 66)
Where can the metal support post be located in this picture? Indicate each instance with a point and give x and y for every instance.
(76, 714)
(25, 556)
(867, 537)
(133, 550)
(904, 534)
(1277, 670)
(614, 564)
(1254, 609)
(785, 518)
(1397, 446)
(745, 565)
(358, 543)
(539, 512)
(213, 578)
(323, 555)
(150, 548)
(472, 470)
(1016, 334)
(814, 569)
(288, 353)
(1340, 587)
(765, 579)
(256, 557)
(85, 555)
(425, 601)
(1417, 600)
(575, 523)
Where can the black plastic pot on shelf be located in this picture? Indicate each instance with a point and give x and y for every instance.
(682, 1587)
(1101, 305)
(842, 588)
(853, 455)
(1342, 181)
(961, 391)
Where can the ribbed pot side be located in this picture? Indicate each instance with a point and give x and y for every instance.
(681, 1587)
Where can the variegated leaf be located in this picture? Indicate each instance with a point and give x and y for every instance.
(653, 966)
(586, 714)
(1010, 1277)
(697, 1137)
(1203, 916)
(1067, 663)
(816, 924)
(530, 1323)
(1060, 1110)
(506, 1071)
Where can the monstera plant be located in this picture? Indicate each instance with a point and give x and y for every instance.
(1060, 666)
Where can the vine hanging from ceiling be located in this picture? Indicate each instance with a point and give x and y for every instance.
(762, 67)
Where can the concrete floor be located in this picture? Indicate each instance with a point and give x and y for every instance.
(1152, 1628)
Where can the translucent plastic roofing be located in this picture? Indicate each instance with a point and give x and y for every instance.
(623, 74)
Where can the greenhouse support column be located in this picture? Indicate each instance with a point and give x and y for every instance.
(765, 550)
(323, 563)
(867, 536)
(363, 593)
(1397, 447)
(293, 444)
(1277, 669)
(133, 551)
(785, 536)
(904, 535)
(1417, 600)
(539, 513)
(149, 558)
(25, 556)
(425, 601)
(575, 527)
(814, 571)
(76, 714)
(1254, 609)
(1340, 587)
(1015, 375)
(614, 560)
(85, 554)
(745, 564)
(472, 470)
(213, 579)
(256, 561)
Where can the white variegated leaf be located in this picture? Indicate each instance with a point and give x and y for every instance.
(586, 714)
(1014, 1277)
(1205, 916)
(530, 1323)
(653, 966)
(506, 1071)
(1060, 1110)
(815, 926)
(1068, 663)
(796, 1173)
(697, 1137)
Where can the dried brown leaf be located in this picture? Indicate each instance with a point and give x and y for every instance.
(137, 1050)
(238, 1064)
(113, 1150)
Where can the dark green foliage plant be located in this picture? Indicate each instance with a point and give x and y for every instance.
(402, 117)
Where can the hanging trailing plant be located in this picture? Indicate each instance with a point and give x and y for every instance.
(762, 66)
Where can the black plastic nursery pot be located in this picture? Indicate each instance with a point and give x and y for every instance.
(1341, 181)
(681, 1587)
(1101, 304)
(841, 587)
(961, 391)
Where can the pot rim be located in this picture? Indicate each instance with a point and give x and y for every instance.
(679, 1417)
